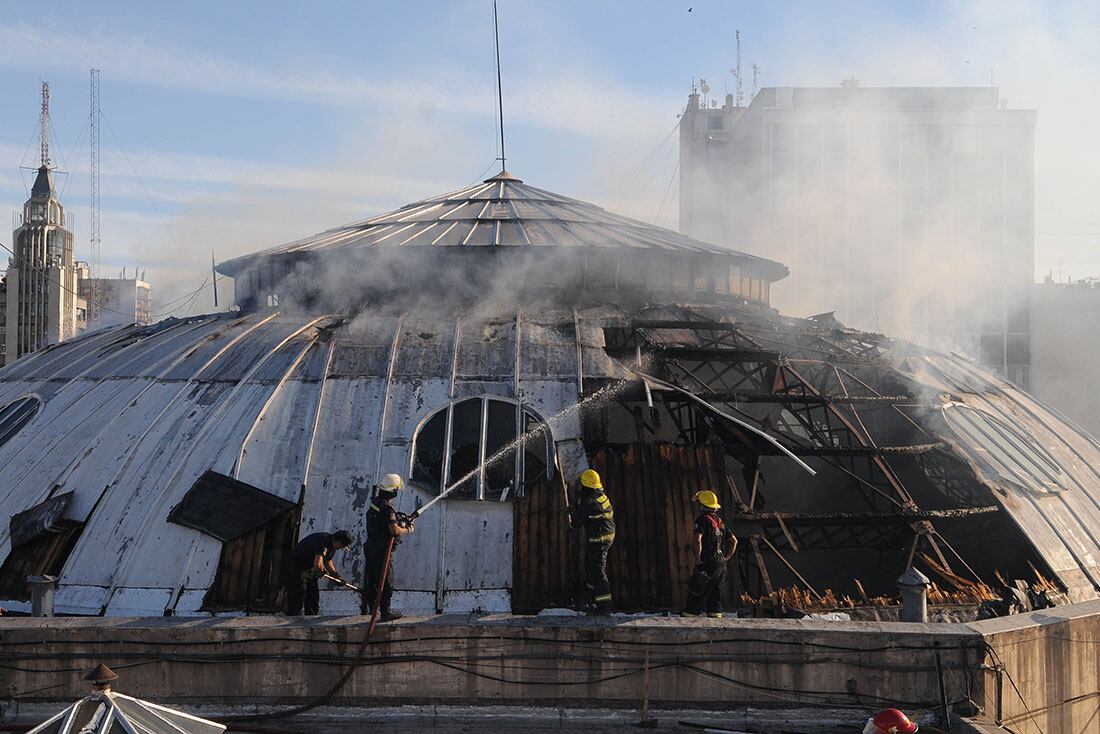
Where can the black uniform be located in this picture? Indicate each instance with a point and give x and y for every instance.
(594, 511)
(300, 576)
(379, 518)
(705, 586)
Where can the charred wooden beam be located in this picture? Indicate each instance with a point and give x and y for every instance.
(794, 519)
(920, 448)
(741, 397)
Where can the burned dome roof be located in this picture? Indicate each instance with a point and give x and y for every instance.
(500, 212)
(164, 469)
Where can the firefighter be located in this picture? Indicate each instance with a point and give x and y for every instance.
(714, 545)
(593, 511)
(383, 523)
(311, 559)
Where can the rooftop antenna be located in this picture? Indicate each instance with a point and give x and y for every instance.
(93, 229)
(755, 74)
(737, 70)
(44, 126)
(214, 276)
(500, 92)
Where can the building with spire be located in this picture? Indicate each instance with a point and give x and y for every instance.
(43, 302)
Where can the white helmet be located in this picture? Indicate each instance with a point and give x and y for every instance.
(392, 482)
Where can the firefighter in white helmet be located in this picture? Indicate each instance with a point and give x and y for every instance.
(383, 523)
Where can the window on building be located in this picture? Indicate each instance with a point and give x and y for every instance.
(716, 122)
(491, 447)
(15, 415)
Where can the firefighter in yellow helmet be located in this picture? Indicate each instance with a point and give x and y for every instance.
(593, 511)
(714, 545)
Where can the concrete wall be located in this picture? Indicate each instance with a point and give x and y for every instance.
(1065, 350)
(1050, 656)
(1049, 663)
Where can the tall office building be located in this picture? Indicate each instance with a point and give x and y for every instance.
(43, 302)
(905, 210)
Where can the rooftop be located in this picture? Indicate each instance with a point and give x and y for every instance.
(501, 211)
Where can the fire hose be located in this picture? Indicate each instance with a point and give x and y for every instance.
(328, 695)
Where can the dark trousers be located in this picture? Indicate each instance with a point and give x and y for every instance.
(376, 558)
(705, 587)
(302, 591)
(595, 575)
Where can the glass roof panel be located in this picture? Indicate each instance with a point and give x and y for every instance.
(1004, 449)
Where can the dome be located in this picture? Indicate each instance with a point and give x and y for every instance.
(538, 244)
(167, 469)
(505, 212)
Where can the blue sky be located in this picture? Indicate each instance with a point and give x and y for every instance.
(253, 123)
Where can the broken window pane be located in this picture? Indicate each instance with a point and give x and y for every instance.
(428, 458)
(536, 449)
(500, 436)
(465, 448)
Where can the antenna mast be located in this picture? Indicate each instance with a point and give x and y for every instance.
(737, 71)
(93, 229)
(44, 126)
(500, 92)
(755, 73)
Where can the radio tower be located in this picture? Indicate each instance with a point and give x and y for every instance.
(93, 229)
(44, 126)
(737, 73)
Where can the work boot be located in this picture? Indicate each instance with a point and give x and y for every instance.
(389, 615)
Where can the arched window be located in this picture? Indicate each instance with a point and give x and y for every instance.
(492, 446)
(15, 415)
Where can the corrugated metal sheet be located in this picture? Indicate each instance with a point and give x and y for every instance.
(1063, 524)
(651, 488)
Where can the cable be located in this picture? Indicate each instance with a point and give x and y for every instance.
(667, 199)
(1012, 682)
(141, 183)
(1085, 334)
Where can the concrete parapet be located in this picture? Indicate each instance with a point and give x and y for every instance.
(261, 662)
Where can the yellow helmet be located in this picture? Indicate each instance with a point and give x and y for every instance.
(707, 499)
(590, 479)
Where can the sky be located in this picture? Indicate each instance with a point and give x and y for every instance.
(230, 127)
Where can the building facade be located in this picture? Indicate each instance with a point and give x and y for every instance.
(43, 304)
(1065, 350)
(120, 301)
(3, 317)
(905, 210)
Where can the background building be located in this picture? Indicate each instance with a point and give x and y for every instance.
(121, 301)
(1065, 350)
(905, 210)
(43, 305)
(3, 316)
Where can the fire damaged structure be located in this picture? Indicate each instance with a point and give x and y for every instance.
(505, 338)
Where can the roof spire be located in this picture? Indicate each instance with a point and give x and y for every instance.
(500, 92)
(44, 126)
